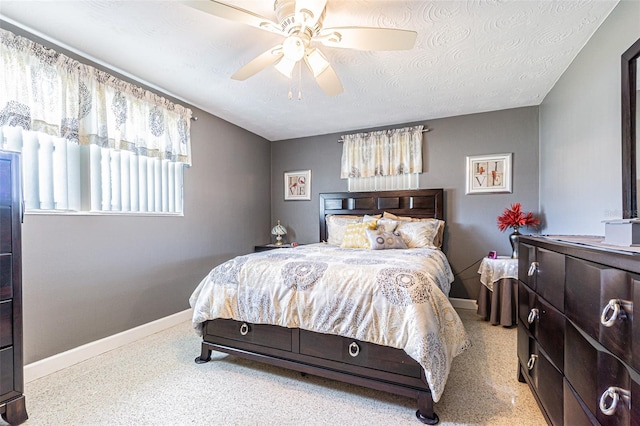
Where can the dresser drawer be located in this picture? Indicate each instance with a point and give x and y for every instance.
(356, 352)
(6, 323)
(259, 334)
(543, 376)
(548, 328)
(599, 378)
(548, 383)
(599, 300)
(526, 348)
(5, 230)
(574, 410)
(6, 371)
(635, 331)
(526, 302)
(526, 256)
(6, 276)
(549, 276)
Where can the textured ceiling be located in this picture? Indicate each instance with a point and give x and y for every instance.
(470, 56)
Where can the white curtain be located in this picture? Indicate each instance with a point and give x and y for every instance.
(44, 91)
(382, 153)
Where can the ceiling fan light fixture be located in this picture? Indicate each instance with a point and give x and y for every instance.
(316, 61)
(293, 48)
(285, 66)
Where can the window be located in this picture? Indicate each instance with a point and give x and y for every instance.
(384, 183)
(383, 160)
(89, 141)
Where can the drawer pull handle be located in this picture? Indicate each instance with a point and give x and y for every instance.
(532, 361)
(616, 309)
(532, 269)
(354, 349)
(533, 315)
(244, 329)
(613, 394)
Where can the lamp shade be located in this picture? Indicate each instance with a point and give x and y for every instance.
(278, 231)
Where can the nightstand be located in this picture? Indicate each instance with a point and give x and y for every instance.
(497, 300)
(266, 247)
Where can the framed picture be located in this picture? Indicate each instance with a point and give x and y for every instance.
(488, 173)
(297, 185)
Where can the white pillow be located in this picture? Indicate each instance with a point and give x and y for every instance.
(419, 234)
(437, 240)
(337, 226)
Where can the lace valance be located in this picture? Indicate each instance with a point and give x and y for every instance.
(382, 153)
(45, 91)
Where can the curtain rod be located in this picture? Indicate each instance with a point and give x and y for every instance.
(341, 140)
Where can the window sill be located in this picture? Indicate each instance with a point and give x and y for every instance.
(98, 213)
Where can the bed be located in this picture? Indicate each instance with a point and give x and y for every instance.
(374, 318)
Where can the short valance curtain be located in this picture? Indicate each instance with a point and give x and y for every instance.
(382, 153)
(45, 91)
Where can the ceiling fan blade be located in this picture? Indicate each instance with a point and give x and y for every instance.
(259, 63)
(365, 38)
(310, 10)
(233, 13)
(329, 82)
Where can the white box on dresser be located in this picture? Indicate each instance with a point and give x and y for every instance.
(624, 232)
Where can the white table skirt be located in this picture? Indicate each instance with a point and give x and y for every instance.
(498, 297)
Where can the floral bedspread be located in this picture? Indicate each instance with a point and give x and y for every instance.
(394, 298)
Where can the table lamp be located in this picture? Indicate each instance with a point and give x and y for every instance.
(278, 231)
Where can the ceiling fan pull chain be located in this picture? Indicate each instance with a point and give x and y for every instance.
(299, 81)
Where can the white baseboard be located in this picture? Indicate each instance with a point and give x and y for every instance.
(73, 356)
(464, 303)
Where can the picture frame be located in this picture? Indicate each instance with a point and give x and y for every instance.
(489, 173)
(297, 185)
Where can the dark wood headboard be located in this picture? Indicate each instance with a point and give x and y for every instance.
(423, 203)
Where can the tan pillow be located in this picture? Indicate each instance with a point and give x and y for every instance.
(388, 225)
(439, 224)
(356, 236)
(337, 226)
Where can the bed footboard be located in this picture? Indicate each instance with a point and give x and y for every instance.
(333, 357)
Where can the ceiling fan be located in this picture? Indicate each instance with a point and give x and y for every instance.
(300, 22)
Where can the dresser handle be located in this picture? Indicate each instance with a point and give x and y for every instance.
(614, 393)
(354, 349)
(614, 311)
(532, 269)
(533, 315)
(244, 329)
(532, 361)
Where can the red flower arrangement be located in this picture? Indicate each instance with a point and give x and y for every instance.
(516, 218)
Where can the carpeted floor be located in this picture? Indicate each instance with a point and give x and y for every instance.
(155, 382)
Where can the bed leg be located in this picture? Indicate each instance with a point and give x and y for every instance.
(425, 411)
(205, 355)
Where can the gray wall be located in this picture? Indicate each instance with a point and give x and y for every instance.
(471, 219)
(580, 132)
(88, 277)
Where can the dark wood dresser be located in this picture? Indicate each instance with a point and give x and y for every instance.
(578, 348)
(12, 402)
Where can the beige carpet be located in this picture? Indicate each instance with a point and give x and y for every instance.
(155, 382)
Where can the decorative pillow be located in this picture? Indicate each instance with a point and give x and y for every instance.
(382, 240)
(372, 221)
(437, 241)
(355, 236)
(337, 226)
(388, 225)
(419, 234)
